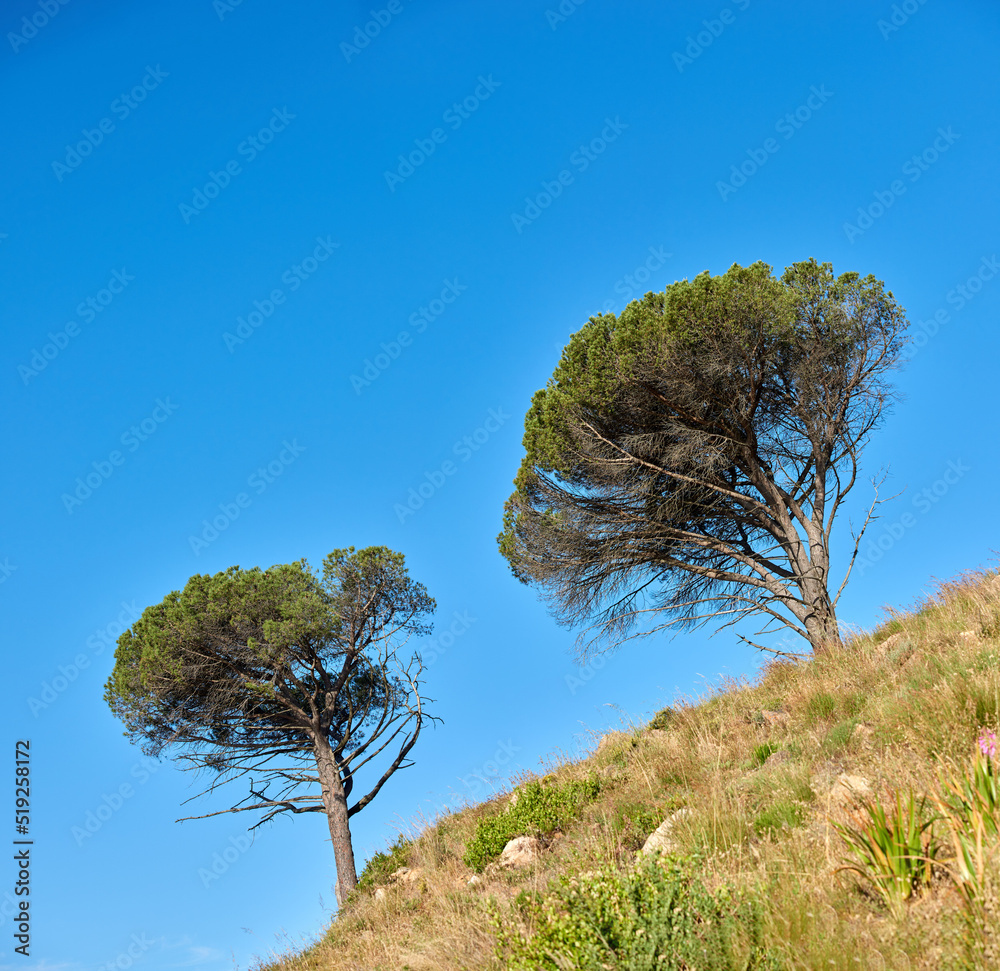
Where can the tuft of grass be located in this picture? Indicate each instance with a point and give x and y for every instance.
(821, 706)
(840, 735)
(761, 753)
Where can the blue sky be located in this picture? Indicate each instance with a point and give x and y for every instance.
(220, 279)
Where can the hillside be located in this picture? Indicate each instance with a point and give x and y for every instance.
(760, 780)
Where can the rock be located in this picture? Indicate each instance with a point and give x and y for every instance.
(611, 771)
(474, 880)
(969, 636)
(777, 758)
(407, 875)
(380, 894)
(849, 789)
(660, 839)
(512, 802)
(772, 718)
(520, 851)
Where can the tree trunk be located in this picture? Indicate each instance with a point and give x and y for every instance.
(336, 813)
(821, 620)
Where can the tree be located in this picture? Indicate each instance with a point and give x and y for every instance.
(686, 460)
(287, 677)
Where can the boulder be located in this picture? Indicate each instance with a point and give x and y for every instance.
(772, 718)
(849, 790)
(520, 851)
(660, 838)
(380, 894)
(406, 875)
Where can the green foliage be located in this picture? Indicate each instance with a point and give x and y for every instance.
(663, 719)
(895, 850)
(761, 753)
(840, 735)
(659, 917)
(779, 817)
(820, 706)
(541, 808)
(634, 822)
(383, 864)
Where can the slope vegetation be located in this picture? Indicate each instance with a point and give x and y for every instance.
(837, 814)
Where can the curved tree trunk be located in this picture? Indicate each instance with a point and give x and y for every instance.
(335, 802)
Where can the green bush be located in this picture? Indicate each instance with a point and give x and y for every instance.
(778, 817)
(820, 706)
(541, 808)
(663, 718)
(634, 822)
(382, 865)
(658, 917)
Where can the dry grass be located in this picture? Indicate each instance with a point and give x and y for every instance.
(889, 707)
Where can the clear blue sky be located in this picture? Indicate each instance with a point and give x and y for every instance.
(210, 248)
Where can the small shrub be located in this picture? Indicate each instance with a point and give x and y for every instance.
(379, 868)
(839, 735)
(780, 816)
(659, 917)
(541, 808)
(663, 719)
(634, 823)
(820, 706)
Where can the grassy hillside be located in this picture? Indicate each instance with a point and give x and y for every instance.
(751, 876)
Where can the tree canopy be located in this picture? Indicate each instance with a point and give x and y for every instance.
(287, 676)
(687, 458)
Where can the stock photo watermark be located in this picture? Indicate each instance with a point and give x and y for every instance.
(585, 673)
(439, 644)
(913, 170)
(463, 449)
(128, 956)
(698, 43)
(634, 283)
(482, 781)
(454, 118)
(563, 12)
(87, 310)
(6, 570)
(29, 28)
(923, 502)
(103, 469)
(787, 125)
(581, 160)
(111, 803)
(259, 481)
(959, 297)
(249, 148)
(293, 278)
(50, 691)
(899, 15)
(418, 320)
(370, 29)
(121, 107)
(221, 862)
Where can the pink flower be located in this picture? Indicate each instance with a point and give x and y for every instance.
(988, 744)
